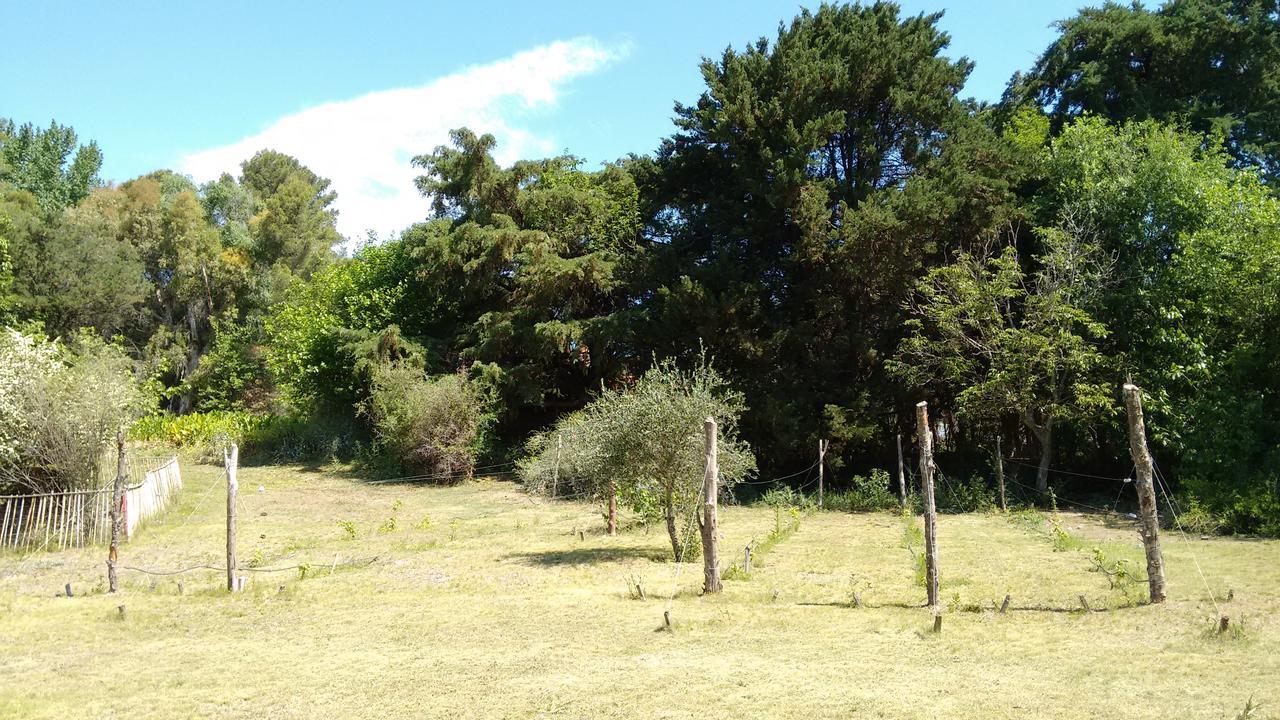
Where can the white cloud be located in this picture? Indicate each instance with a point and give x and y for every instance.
(364, 144)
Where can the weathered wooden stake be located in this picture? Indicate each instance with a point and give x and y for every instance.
(1149, 522)
(710, 526)
(822, 454)
(1004, 507)
(937, 622)
(613, 508)
(1084, 603)
(120, 608)
(640, 590)
(232, 461)
(666, 617)
(902, 475)
(1224, 622)
(555, 473)
(69, 590)
(746, 558)
(1004, 606)
(925, 439)
(117, 521)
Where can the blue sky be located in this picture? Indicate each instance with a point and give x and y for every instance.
(356, 89)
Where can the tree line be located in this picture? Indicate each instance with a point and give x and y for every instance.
(829, 221)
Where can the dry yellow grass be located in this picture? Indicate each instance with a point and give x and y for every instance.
(495, 609)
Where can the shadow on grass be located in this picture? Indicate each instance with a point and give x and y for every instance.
(583, 556)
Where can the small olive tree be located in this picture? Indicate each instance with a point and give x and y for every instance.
(646, 444)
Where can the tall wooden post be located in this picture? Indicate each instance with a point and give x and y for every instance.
(822, 454)
(613, 508)
(1149, 523)
(925, 438)
(902, 476)
(555, 472)
(1004, 506)
(232, 462)
(117, 520)
(710, 489)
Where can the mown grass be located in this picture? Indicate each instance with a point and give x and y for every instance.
(481, 602)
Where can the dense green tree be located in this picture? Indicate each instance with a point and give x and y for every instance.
(292, 227)
(1211, 64)
(1011, 342)
(48, 163)
(536, 261)
(76, 270)
(808, 187)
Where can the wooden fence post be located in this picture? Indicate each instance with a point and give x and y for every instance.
(902, 476)
(232, 462)
(117, 496)
(925, 438)
(710, 489)
(555, 473)
(822, 454)
(1149, 522)
(1004, 507)
(613, 508)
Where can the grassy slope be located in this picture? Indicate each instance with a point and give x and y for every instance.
(498, 610)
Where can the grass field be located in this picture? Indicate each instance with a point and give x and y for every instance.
(479, 601)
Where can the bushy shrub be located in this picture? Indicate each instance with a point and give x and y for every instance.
(271, 437)
(430, 425)
(865, 493)
(196, 430)
(233, 373)
(958, 496)
(647, 443)
(61, 404)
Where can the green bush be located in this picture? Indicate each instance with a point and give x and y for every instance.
(232, 374)
(271, 437)
(430, 425)
(198, 430)
(957, 496)
(865, 493)
(61, 404)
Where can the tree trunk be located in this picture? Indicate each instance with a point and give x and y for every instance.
(1044, 435)
(186, 401)
(613, 509)
(1046, 452)
(676, 550)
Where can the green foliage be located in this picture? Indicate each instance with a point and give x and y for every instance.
(1008, 342)
(1121, 574)
(232, 374)
(288, 438)
(61, 405)
(648, 443)
(866, 493)
(804, 191)
(430, 425)
(528, 271)
(201, 430)
(960, 496)
(312, 332)
(1208, 64)
(6, 270)
(41, 161)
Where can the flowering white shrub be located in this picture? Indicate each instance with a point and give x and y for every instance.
(60, 404)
